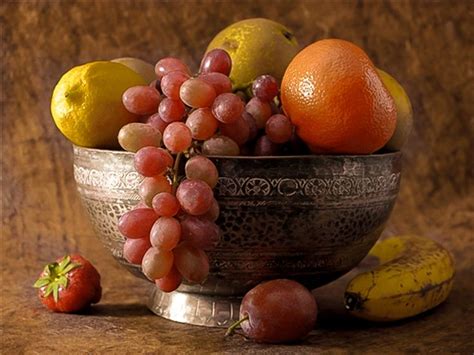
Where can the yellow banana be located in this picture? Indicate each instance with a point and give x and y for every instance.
(414, 274)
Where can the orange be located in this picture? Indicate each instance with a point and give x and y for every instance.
(334, 96)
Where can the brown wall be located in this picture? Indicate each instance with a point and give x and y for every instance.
(427, 46)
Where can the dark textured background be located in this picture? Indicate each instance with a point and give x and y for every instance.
(428, 46)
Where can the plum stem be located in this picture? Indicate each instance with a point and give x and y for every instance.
(231, 330)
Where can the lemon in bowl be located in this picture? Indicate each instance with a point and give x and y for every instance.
(404, 111)
(87, 103)
(145, 69)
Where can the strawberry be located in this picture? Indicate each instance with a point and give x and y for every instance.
(69, 285)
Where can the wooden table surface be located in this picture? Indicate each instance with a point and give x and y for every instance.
(428, 46)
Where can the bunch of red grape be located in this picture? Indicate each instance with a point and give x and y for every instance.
(221, 122)
(187, 117)
(170, 230)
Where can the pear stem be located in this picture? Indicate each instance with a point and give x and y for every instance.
(231, 330)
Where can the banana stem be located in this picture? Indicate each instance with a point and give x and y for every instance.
(231, 330)
(352, 301)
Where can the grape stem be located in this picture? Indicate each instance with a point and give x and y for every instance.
(175, 171)
(231, 330)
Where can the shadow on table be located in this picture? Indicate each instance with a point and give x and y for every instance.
(118, 310)
(328, 320)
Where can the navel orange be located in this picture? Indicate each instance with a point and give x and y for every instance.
(334, 96)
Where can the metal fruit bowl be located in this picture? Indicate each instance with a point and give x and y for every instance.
(307, 218)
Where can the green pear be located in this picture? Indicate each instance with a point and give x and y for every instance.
(257, 46)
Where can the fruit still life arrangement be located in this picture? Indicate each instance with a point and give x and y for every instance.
(267, 149)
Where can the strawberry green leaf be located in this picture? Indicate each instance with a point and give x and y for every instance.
(56, 292)
(63, 281)
(48, 290)
(46, 270)
(55, 277)
(69, 267)
(41, 283)
(64, 262)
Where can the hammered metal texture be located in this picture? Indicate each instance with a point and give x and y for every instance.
(308, 218)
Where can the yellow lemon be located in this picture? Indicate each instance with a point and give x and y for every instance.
(257, 46)
(404, 111)
(145, 69)
(87, 103)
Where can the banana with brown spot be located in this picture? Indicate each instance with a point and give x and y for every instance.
(414, 274)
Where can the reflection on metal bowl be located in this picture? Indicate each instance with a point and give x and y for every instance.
(307, 218)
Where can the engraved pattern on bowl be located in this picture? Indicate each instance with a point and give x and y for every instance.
(309, 218)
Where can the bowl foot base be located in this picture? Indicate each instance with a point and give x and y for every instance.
(195, 309)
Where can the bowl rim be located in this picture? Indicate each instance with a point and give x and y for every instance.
(264, 157)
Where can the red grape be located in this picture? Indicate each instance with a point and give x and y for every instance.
(265, 147)
(157, 85)
(150, 161)
(220, 82)
(134, 249)
(227, 107)
(197, 93)
(253, 129)
(192, 263)
(143, 119)
(279, 129)
(165, 233)
(137, 223)
(202, 123)
(170, 282)
(171, 84)
(165, 204)
(152, 186)
(260, 110)
(200, 232)
(170, 64)
(167, 157)
(194, 196)
(238, 131)
(141, 100)
(220, 145)
(177, 137)
(171, 110)
(213, 212)
(277, 311)
(156, 122)
(157, 263)
(242, 95)
(201, 168)
(216, 61)
(140, 204)
(135, 136)
(265, 87)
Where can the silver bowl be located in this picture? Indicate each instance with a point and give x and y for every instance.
(307, 218)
